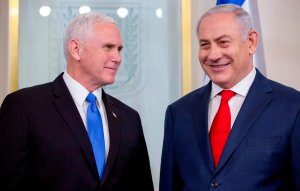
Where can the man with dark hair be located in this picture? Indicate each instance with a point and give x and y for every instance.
(240, 132)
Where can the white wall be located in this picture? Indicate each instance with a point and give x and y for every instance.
(280, 29)
(4, 49)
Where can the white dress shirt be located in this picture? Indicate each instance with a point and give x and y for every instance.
(235, 103)
(79, 94)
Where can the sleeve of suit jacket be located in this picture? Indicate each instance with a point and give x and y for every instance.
(170, 179)
(295, 152)
(14, 143)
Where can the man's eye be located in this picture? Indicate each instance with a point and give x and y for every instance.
(204, 45)
(110, 46)
(224, 43)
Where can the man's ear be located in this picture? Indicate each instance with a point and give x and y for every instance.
(74, 49)
(253, 41)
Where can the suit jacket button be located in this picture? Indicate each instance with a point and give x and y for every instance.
(214, 184)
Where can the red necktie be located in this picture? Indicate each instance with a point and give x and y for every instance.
(220, 127)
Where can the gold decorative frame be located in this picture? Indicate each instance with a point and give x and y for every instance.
(186, 46)
(13, 44)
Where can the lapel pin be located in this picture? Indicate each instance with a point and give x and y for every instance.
(114, 114)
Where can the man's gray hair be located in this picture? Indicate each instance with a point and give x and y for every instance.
(242, 17)
(81, 26)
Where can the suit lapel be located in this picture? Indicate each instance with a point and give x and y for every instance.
(114, 124)
(256, 101)
(66, 107)
(200, 116)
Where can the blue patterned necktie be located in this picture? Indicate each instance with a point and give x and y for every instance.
(95, 132)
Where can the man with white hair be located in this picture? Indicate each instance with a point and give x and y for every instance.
(69, 134)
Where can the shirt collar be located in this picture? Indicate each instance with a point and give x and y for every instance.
(240, 88)
(78, 91)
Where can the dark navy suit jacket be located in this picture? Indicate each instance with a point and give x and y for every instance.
(44, 144)
(262, 152)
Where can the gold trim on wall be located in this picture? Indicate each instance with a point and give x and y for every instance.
(13, 44)
(186, 46)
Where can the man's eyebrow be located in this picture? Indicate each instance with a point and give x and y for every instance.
(223, 36)
(203, 40)
(216, 39)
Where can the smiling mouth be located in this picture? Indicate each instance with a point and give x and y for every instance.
(219, 66)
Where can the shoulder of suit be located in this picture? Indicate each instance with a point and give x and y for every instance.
(29, 95)
(33, 90)
(190, 96)
(284, 92)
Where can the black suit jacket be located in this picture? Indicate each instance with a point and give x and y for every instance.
(45, 146)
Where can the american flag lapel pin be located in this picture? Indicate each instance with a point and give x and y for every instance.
(114, 114)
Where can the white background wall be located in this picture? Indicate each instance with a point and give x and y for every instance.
(3, 49)
(280, 27)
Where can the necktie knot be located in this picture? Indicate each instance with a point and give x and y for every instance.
(227, 95)
(91, 98)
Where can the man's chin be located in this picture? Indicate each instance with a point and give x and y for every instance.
(220, 82)
(109, 82)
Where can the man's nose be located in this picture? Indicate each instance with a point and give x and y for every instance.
(214, 53)
(116, 56)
